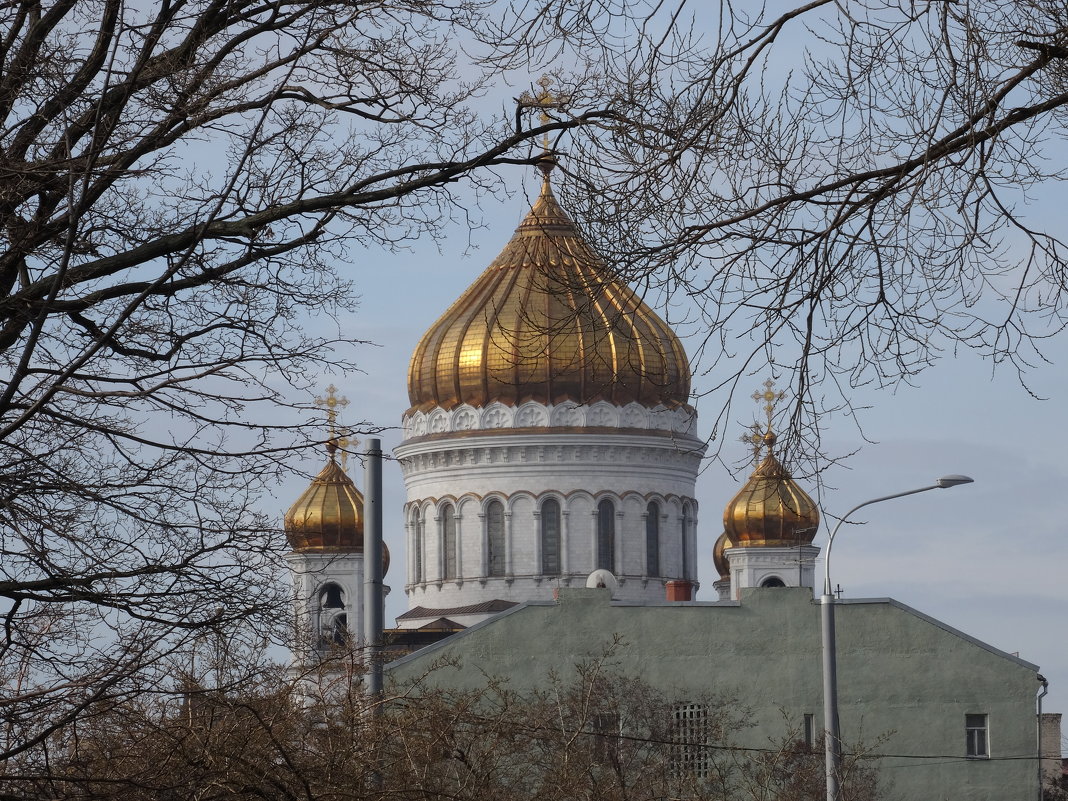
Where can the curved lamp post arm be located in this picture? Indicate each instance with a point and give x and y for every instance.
(942, 483)
(845, 517)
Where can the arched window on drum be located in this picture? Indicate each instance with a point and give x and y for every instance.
(416, 529)
(448, 542)
(606, 535)
(550, 537)
(652, 539)
(495, 565)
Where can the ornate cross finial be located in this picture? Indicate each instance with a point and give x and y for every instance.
(331, 403)
(755, 440)
(345, 444)
(544, 100)
(770, 398)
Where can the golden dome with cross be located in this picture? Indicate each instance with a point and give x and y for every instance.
(328, 516)
(771, 510)
(548, 321)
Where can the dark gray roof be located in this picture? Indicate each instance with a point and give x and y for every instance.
(495, 605)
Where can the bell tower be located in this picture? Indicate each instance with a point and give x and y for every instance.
(768, 527)
(325, 531)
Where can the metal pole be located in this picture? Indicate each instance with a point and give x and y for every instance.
(1041, 695)
(372, 570)
(832, 743)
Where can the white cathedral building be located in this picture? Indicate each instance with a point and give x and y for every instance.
(549, 435)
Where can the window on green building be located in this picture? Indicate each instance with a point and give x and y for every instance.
(977, 740)
(689, 750)
(809, 726)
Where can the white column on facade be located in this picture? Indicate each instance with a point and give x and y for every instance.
(420, 544)
(692, 543)
(483, 545)
(662, 540)
(415, 541)
(302, 611)
(539, 563)
(565, 565)
(617, 560)
(508, 571)
(440, 540)
(355, 606)
(678, 545)
(409, 557)
(594, 553)
(644, 523)
(684, 541)
(459, 544)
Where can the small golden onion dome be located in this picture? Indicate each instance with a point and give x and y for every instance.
(548, 322)
(328, 516)
(719, 559)
(771, 509)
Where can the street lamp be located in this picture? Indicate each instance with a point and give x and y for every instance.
(832, 743)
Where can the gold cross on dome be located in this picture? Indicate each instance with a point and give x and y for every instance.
(770, 398)
(344, 445)
(755, 440)
(331, 403)
(544, 100)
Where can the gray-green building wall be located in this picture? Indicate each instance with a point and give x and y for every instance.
(906, 681)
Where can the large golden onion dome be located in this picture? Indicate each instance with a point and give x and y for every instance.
(328, 516)
(771, 509)
(548, 322)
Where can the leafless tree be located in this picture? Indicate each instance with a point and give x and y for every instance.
(845, 191)
(602, 735)
(180, 186)
(180, 182)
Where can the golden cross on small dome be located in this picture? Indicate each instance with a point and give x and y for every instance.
(544, 100)
(770, 398)
(755, 440)
(345, 445)
(332, 403)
